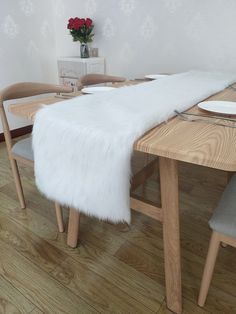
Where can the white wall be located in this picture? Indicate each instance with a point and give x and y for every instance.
(135, 36)
(27, 49)
(149, 36)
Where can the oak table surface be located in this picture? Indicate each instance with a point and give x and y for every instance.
(198, 143)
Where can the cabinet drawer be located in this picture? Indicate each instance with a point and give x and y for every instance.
(97, 67)
(71, 69)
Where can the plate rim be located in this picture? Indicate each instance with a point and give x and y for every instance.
(151, 76)
(105, 88)
(215, 110)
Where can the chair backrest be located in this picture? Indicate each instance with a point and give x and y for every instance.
(92, 79)
(21, 90)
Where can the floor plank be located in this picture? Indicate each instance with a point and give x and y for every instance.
(11, 300)
(105, 296)
(36, 285)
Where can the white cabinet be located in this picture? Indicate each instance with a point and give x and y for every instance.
(71, 69)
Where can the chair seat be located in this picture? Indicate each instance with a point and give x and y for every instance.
(23, 148)
(223, 219)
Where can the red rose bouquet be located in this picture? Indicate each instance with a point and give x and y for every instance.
(81, 29)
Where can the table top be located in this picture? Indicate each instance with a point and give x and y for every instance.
(28, 109)
(199, 143)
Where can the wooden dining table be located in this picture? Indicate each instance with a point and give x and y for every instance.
(204, 142)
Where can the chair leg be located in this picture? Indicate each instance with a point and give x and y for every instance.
(73, 228)
(209, 267)
(17, 181)
(59, 216)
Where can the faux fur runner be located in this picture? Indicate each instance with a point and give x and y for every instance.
(83, 146)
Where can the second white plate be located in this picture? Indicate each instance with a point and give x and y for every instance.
(96, 89)
(222, 107)
(155, 76)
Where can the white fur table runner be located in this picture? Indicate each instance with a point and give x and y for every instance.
(83, 146)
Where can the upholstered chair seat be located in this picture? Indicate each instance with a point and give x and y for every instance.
(23, 148)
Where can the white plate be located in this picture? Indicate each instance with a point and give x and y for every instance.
(223, 107)
(96, 89)
(155, 76)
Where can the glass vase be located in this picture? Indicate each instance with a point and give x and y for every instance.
(84, 50)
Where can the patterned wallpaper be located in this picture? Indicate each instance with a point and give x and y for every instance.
(27, 49)
(136, 37)
(139, 37)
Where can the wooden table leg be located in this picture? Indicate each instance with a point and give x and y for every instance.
(73, 228)
(171, 233)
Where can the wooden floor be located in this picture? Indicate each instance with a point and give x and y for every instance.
(116, 268)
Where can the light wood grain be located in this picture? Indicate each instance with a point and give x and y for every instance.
(198, 143)
(147, 209)
(17, 91)
(28, 89)
(216, 239)
(171, 233)
(73, 228)
(209, 267)
(59, 217)
(27, 110)
(92, 79)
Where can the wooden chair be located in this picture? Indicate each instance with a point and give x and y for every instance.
(22, 151)
(93, 79)
(223, 224)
